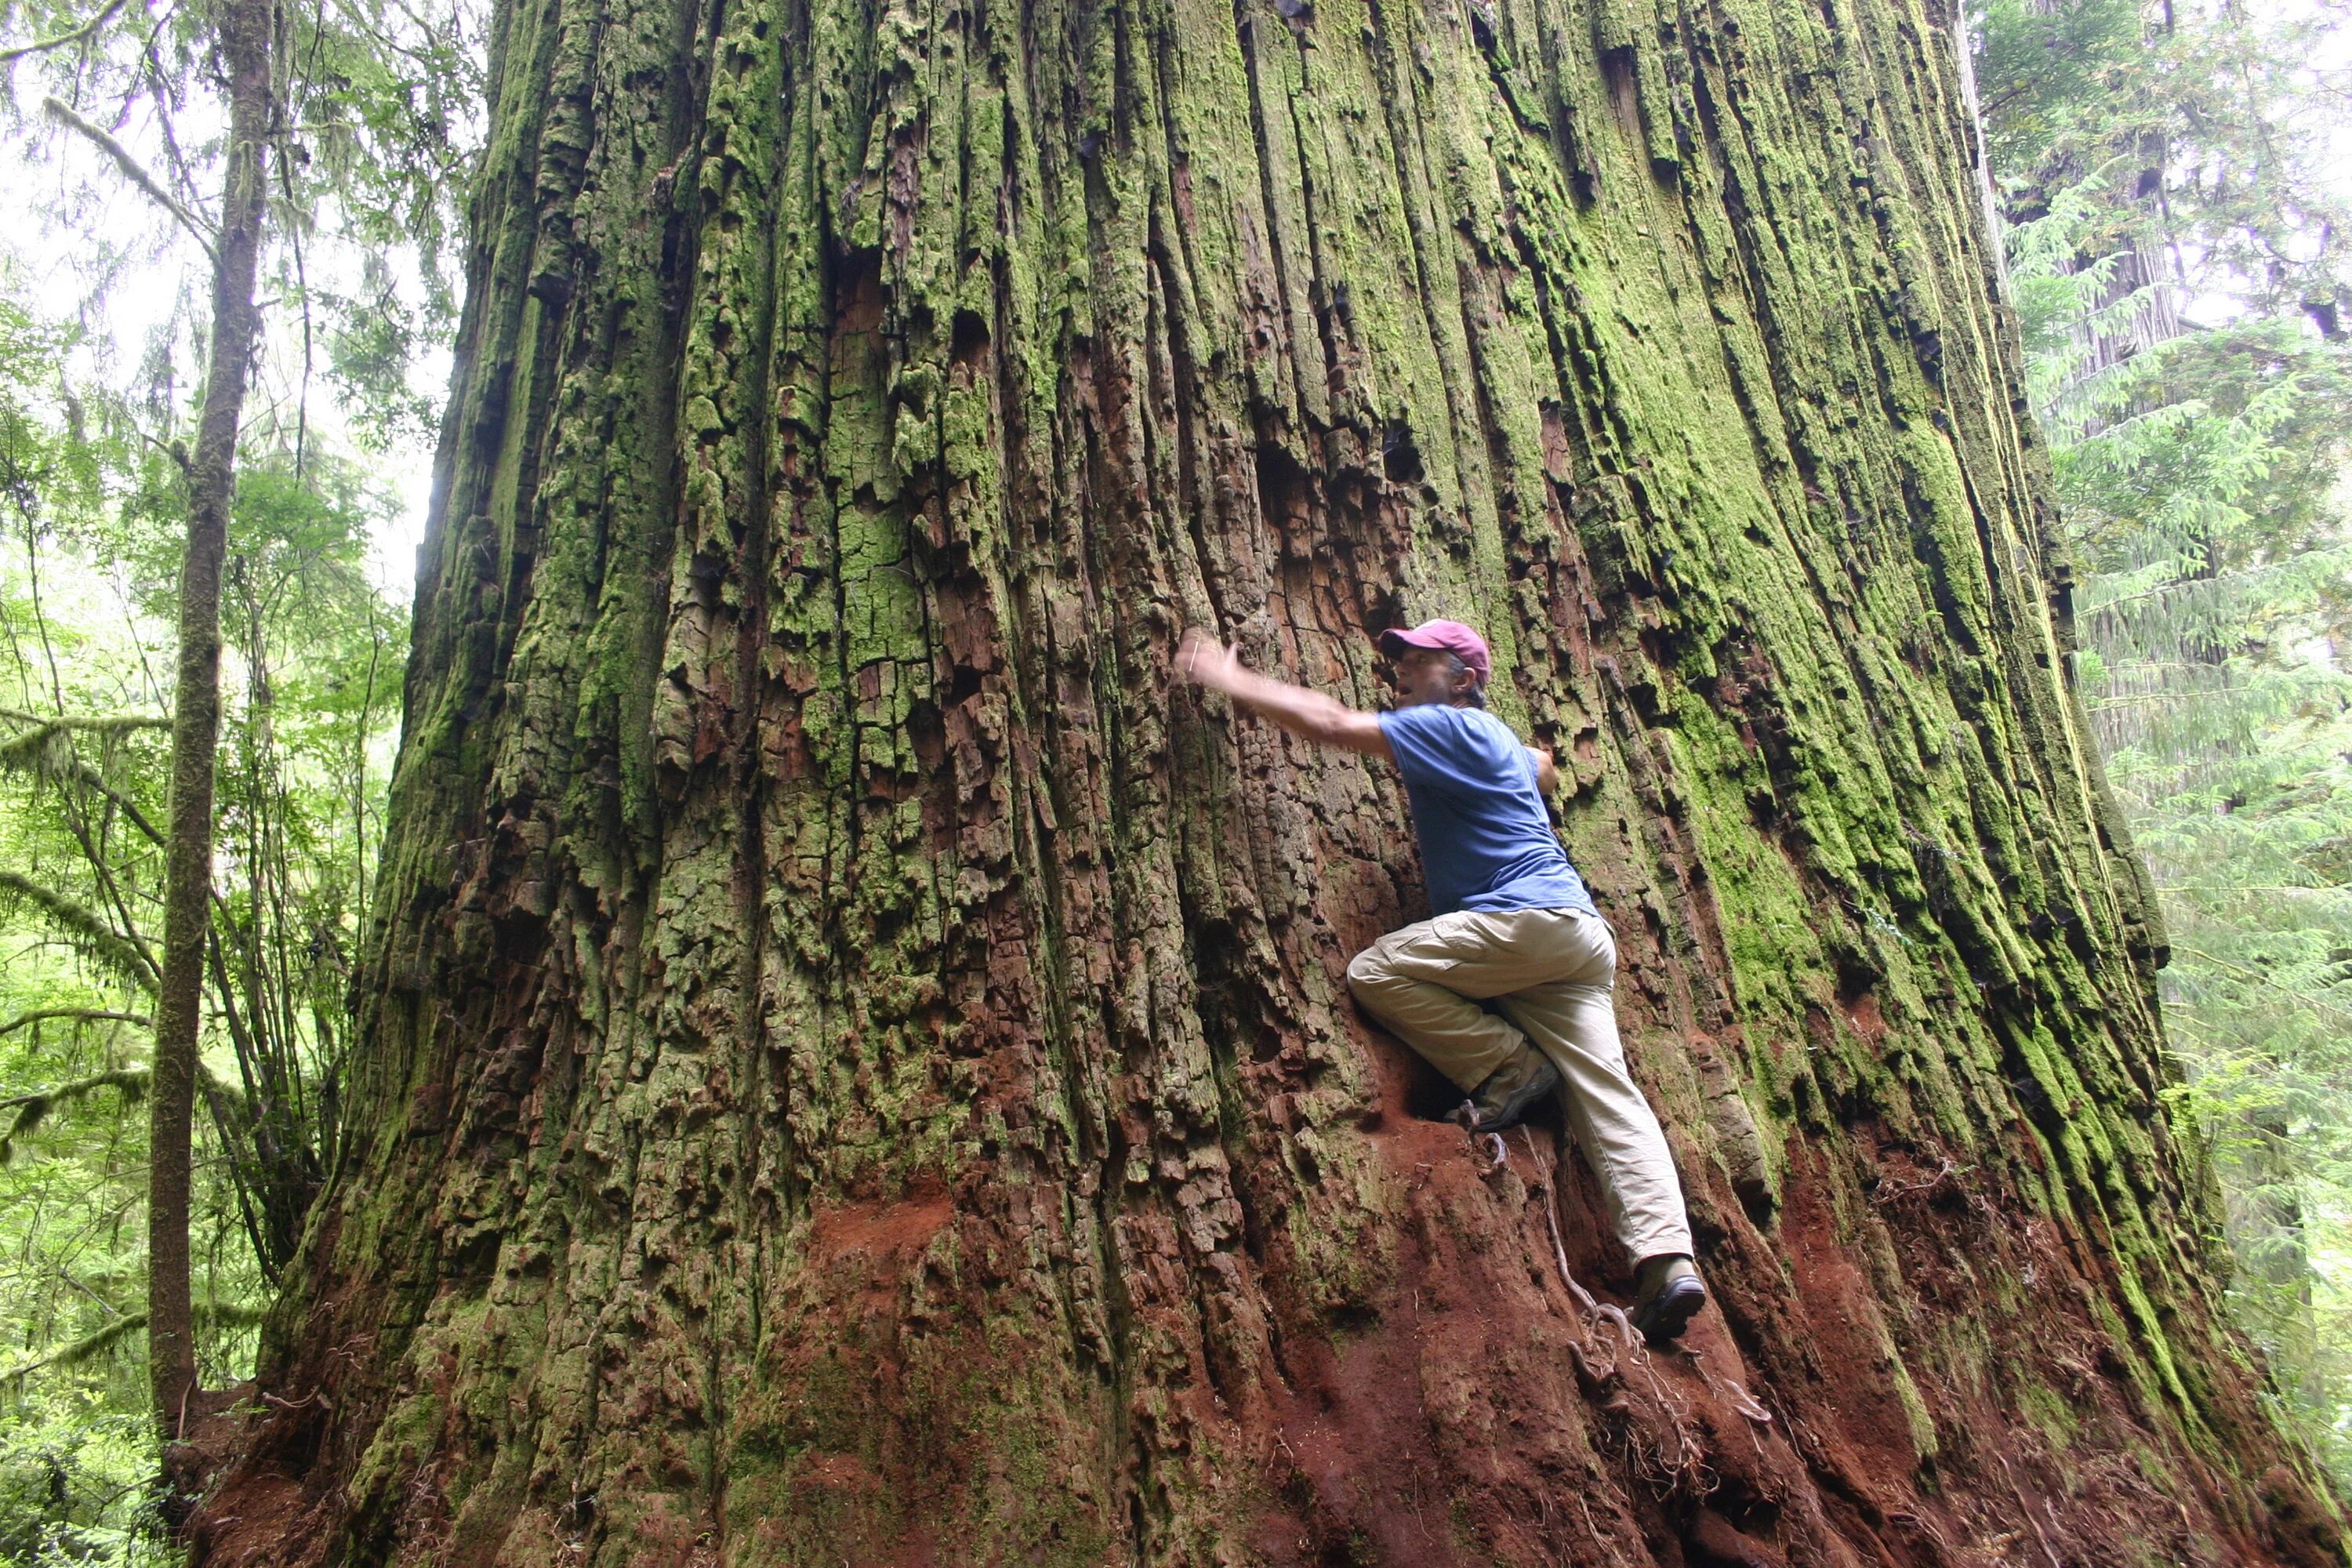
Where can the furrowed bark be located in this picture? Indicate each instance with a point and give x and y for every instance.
(242, 37)
(855, 1068)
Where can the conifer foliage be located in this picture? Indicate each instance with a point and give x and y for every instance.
(2174, 181)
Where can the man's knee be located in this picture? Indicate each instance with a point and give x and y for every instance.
(1366, 972)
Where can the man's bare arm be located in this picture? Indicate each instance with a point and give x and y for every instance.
(1547, 771)
(1302, 712)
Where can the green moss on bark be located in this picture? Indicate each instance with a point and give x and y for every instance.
(851, 1058)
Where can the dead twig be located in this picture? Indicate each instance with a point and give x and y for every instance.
(1889, 1194)
(2048, 1550)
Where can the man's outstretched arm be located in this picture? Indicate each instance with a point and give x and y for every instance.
(1201, 659)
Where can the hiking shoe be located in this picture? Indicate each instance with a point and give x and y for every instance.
(1671, 1294)
(1505, 1095)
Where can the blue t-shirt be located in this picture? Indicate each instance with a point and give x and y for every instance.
(1486, 842)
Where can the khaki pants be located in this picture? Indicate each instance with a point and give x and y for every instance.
(1552, 973)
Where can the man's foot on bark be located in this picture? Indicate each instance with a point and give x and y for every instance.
(1505, 1096)
(1670, 1295)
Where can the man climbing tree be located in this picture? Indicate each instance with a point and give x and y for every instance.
(1511, 923)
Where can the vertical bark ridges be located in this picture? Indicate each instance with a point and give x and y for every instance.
(858, 1068)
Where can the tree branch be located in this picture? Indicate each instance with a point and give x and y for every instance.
(80, 1014)
(90, 779)
(31, 750)
(79, 1350)
(134, 1080)
(2259, 978)
(34, 1109)
(86, 930)
(42, 46)
(131, 168)
(108, 724)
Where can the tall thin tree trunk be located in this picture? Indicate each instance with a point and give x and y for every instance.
(241, 36)
(856, 1068)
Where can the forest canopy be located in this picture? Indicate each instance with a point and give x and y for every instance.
(2174, 195)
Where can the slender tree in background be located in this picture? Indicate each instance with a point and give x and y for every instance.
(369, 125)
(351, 129)
(243, 30)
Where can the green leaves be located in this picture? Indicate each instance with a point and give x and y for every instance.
(2049, 75)
(2167, 243)
(310, 676)
(31, 1108)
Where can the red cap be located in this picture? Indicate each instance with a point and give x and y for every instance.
(1452, 635)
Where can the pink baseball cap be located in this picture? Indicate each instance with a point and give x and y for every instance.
(1452, 635)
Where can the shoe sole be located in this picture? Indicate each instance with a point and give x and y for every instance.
(1514, 1110)
(1676, 1307)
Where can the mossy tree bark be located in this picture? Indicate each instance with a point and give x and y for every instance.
(855, 1068)
(242, 36)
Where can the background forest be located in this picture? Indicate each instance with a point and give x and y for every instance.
(2172, 181)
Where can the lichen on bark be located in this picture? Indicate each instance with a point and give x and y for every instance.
(856, 1066)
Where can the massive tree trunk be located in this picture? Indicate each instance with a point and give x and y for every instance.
(856, 1068)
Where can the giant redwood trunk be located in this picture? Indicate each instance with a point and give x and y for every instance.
(857, 1067)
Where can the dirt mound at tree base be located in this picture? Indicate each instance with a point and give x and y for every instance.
(1507, 1414)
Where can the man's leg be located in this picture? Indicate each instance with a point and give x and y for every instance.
(1420, 981)
(1573, 1020)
